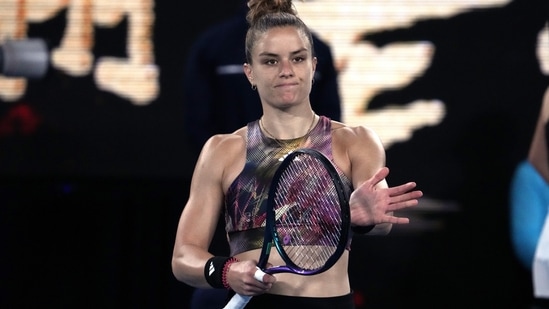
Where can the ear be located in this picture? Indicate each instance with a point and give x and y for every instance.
(315, 60)
(248, 71)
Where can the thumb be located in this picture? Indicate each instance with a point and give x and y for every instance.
(379, 175)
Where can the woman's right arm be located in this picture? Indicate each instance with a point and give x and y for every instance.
(200, 215)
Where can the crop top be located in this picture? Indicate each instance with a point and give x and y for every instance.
(246, 198)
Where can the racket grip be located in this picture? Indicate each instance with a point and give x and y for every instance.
(237, 302)
(258, 275)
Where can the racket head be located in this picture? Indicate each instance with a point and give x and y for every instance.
(308, 213)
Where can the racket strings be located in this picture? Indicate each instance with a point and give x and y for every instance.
(308, 213)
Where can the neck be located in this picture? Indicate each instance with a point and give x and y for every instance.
(281, 134)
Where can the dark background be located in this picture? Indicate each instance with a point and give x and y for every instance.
(91, 186)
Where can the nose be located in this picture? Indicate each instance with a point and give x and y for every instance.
(286, 69)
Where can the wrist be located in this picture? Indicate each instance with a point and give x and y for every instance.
(225, 272)
(214, 271)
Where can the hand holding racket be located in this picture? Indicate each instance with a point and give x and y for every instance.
(307, 218)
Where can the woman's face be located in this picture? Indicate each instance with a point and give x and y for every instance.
(283, 67)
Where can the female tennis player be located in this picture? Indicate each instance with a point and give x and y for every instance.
(234, 171)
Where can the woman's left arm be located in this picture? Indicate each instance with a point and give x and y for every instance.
(373, 202)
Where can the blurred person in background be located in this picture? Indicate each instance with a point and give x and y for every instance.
(529, 209)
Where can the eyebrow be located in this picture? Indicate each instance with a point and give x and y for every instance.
(276, 55)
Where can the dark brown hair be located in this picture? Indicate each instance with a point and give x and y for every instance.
(264, 15)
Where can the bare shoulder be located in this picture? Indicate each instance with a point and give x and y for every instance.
(351, 135)
(224, 155)
(224, 147)
(225, 140)
(357, 150)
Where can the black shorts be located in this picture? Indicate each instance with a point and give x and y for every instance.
(268, 301)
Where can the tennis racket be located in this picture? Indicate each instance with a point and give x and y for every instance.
(307, 218)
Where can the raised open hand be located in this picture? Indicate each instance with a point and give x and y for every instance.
(373, 204)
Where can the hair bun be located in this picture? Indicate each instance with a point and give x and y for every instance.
(259, 8)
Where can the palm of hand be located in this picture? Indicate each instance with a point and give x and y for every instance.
(374, 203)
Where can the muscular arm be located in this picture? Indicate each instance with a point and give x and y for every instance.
(200, 215)
(360, 153)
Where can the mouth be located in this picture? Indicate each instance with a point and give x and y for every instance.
(286, 85)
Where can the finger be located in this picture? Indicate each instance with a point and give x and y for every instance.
(409, 196)
(379, 175)
(402, 205)
(397, 220)
(397, 190)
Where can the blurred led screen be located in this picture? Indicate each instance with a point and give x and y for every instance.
(112, 104)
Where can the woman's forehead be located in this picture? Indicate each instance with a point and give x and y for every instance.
(281, 39)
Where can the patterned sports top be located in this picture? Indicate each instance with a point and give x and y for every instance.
(246, 198)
